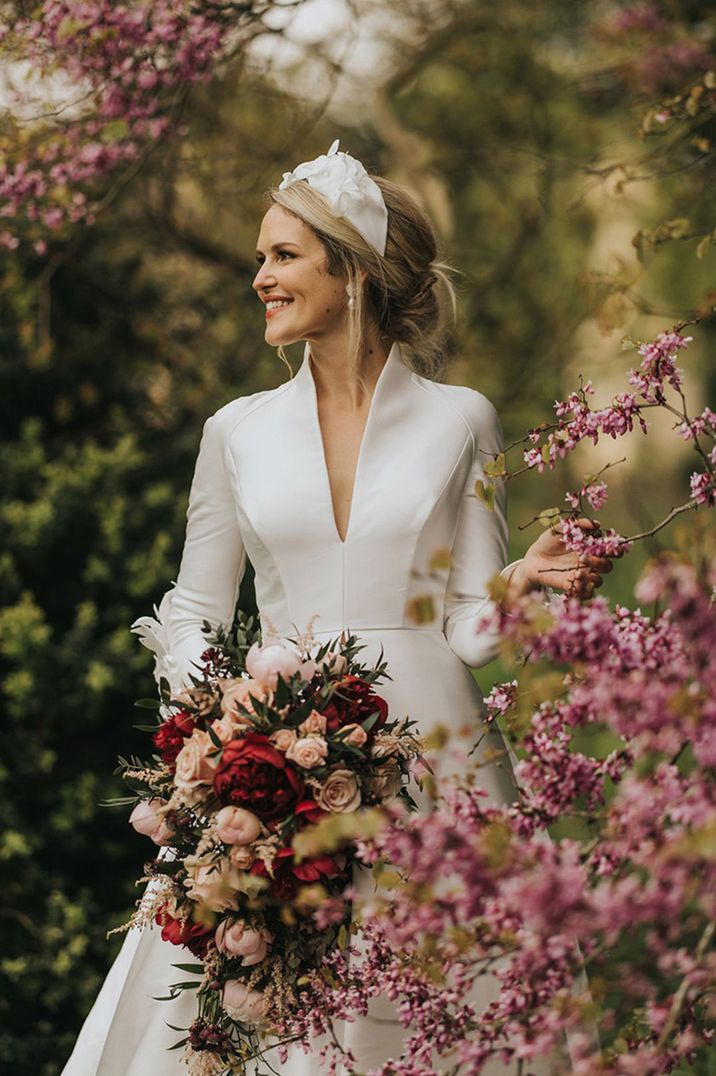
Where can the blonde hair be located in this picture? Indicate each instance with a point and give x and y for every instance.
(407, 291)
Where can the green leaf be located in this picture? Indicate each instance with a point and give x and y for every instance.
(214, 738)
(496, 467)
(367, 725)
(193, 969)
(678, 227)
(548, 516)
(703, 246)
(114, 131)
(147, 704)
(69, 27)
(485, 491)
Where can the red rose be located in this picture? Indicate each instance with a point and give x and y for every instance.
(169, 737)
(308, 813)
(183, 932)
(254, 775)
(289, 876)
(352, 703)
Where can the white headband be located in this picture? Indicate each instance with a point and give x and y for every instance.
(349, 191)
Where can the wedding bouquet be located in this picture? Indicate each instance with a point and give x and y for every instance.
(269, 742)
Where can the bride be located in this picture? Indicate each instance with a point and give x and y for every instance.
(339, 486)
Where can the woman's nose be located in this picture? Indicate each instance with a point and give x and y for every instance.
(262, 278)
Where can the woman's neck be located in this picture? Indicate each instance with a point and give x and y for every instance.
(336, 384)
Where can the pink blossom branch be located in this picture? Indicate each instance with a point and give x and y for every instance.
(680, 995)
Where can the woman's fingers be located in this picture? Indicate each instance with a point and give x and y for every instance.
(583, 583)
(601, 564)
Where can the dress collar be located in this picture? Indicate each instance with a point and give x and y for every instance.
(395, 371)
(387, 403)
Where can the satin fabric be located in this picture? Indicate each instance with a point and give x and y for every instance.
(261, 490)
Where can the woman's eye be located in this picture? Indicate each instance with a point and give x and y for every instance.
(285, 254)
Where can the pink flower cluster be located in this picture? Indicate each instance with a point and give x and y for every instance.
(605, 543)
(585, 423)
(128, 63)
(659, 366)
(577, 421)
(488, 892)
(595, 493)
(661, 54)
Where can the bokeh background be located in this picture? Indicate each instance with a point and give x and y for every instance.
(528, 132)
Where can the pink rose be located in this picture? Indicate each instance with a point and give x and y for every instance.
(340, 792)
(242, 691)
(308, 752)
(315, 722)
(277, 657)
(242, 857)
(236, 825)
(237, 938)
(387, 783)
(147, 820)
(225, 727)
(356, 735)
(193, 766)
(242, 1003)
(214, 883)
(282, 739)
(334, 664)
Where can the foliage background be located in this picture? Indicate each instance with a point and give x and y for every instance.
(519, 129)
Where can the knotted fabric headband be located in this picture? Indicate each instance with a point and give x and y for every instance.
(349, 191)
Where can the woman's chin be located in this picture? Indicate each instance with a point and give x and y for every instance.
(275, 337)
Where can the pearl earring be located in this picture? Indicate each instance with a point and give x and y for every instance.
(351, 297)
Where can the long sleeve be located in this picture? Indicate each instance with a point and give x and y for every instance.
(212, 565)
(479, 549)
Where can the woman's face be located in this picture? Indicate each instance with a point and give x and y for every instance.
(303, 302)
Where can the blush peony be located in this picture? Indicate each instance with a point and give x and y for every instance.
(239, 939)
(235, 825)
(274, 658)
(147, 819)
(242, 1003)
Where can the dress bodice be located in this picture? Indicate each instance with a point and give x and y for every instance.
(260, 490)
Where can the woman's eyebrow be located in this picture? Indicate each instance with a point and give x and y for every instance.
(276, 246)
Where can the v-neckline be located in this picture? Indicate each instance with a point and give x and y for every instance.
(393, 356)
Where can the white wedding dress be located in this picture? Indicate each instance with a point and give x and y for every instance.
(261, 490)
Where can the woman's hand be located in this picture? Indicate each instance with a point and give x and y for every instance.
(547, 563)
